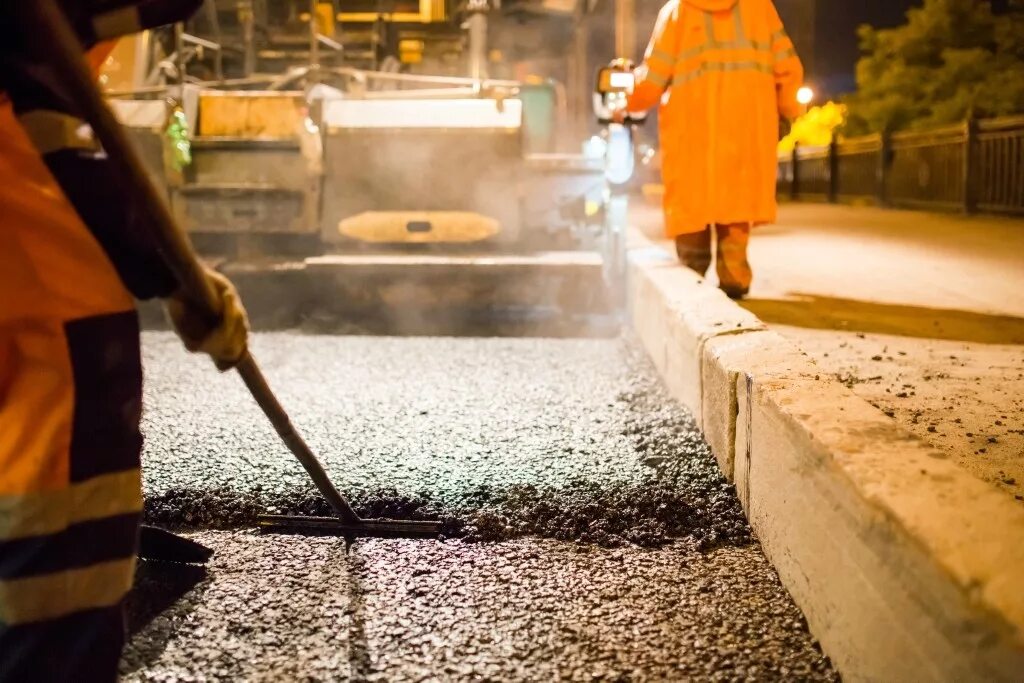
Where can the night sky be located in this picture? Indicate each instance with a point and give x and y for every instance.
(838, 21)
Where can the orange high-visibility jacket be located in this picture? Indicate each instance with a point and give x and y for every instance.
(70, 382)
(723, 71)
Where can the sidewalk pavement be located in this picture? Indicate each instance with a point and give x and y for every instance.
(920, 314)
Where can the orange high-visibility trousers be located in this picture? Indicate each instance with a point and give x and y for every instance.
(70, 403)
(731, 264)
(723, 71)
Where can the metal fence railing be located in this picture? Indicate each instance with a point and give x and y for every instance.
(974, 166)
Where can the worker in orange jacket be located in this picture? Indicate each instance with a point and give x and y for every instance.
(723, 71)
(74, 251)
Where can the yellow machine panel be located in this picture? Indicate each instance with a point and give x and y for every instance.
(419, 227)
(409, 12)
(253, 115)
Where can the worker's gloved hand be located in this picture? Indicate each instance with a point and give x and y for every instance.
(226, 343)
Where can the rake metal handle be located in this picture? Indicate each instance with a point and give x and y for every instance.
(261, 391)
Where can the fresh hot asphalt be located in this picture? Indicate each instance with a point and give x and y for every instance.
(553, 462)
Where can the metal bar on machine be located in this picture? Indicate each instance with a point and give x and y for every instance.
(625, 28)
(279, 83)
(179, 51)
(202, 42)
(314, 38)
(333, 44)
(247, 20)
(477, 28)
(210, 9)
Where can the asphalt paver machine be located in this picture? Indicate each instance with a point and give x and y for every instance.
(319, 127)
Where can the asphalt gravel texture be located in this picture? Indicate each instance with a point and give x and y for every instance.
(589, 534)
(500, 437)
(290, 608)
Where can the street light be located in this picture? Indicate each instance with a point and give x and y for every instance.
(805, 95)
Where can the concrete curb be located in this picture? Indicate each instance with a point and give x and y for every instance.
(906, 566)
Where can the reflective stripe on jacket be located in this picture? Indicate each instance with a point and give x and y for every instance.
(723, 71)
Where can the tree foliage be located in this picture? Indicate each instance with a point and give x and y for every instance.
(952, 59)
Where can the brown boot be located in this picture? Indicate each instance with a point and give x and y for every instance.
(694, 250)
(734, 272)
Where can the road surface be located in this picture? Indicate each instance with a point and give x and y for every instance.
(592, 536)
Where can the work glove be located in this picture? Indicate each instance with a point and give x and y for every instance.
(226, 343)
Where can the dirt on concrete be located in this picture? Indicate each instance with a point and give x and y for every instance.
(967, 399)
(919, 313)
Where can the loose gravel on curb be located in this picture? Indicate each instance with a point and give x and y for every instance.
(559, 465)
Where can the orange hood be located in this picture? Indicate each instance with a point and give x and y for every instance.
(711, 5)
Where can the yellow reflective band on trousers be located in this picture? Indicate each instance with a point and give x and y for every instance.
(48, 596)
(46, 512)
(52, 131)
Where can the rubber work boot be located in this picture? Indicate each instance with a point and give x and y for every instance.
(694, 250)
(734, 272)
